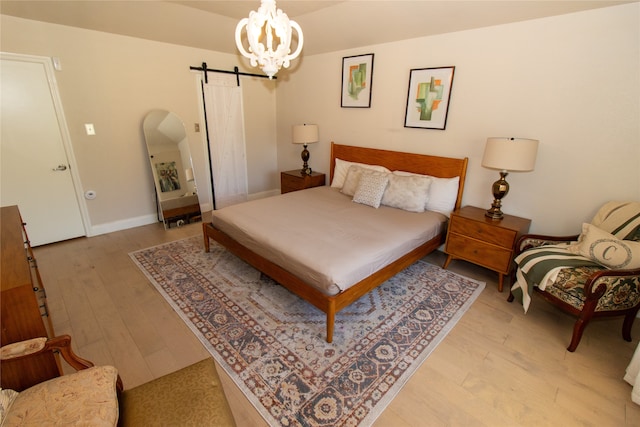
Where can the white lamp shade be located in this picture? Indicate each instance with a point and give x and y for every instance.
(510, 154)
(305, 134)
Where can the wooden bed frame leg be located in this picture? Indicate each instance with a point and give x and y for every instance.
(331, 318)
(206, 237)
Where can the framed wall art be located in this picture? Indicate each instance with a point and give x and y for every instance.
(357, 73)
(428, 97)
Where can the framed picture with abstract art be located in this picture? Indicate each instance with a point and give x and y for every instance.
(357, 73)
(428, 97)
(168, 176)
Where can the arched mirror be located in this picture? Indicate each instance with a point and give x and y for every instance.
(172, 168)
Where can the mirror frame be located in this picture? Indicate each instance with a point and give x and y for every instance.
(172, 168)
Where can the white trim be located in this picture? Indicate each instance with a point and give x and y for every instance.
(123, 224)
(263, 194)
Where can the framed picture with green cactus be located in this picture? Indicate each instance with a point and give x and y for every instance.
(357, 76)
(428, 98)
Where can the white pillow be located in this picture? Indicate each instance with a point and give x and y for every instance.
(606, 249)
(342, 167)
(371, 188)
(352, 179)
(443, 194)
(407, 192)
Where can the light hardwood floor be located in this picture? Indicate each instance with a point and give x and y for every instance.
(497, 367)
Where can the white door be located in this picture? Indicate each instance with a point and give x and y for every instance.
(35, 171)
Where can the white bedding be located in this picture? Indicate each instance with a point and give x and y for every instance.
(324, 238)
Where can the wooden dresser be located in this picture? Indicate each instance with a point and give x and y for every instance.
(23, 303)
(475, 238)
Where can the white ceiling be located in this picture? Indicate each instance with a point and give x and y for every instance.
(327, 25)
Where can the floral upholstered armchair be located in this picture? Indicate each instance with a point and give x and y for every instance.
(594, 274)
(86, 397)
(94, 396)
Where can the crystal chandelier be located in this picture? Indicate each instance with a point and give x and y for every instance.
(264, 27)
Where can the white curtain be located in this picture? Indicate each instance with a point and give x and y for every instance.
(632, 376)
(223, 108)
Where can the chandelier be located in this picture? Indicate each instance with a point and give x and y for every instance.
(264, 27)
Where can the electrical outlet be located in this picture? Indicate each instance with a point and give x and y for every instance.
(90, 129)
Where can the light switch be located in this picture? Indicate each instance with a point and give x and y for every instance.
(90, 129)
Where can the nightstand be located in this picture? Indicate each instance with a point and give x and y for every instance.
(489, 243)
(294, 181)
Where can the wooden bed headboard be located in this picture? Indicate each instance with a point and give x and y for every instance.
(443, 167)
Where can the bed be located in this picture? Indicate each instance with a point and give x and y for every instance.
(325, 248)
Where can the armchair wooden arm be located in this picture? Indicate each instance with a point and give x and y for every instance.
(529, 241)
(606, 292)
(29, 348)
(601, 299)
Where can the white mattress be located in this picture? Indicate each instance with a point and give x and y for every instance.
(324, 238)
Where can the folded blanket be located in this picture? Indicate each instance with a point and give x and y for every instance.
(540, 266)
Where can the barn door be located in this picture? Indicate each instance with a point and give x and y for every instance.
(223, 109)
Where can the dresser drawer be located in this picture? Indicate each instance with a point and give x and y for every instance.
(487, 255)
(482, 231)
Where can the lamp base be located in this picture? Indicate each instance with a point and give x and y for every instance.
(494, 213)
(306, 170)
(500, 189)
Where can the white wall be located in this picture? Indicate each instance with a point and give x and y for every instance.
(571, 81)
(113, 81)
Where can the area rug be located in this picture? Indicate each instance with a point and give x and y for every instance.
(272, 343)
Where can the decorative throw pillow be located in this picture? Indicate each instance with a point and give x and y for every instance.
(443, 194)
(622, 219)
(407, 192)
(371, 188)
(352, 179)
(342, 167)
(604, 248)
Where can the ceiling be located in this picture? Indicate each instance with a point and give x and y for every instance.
(327, 25)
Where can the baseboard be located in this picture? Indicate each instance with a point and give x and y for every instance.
(124, 224)
(263, 194)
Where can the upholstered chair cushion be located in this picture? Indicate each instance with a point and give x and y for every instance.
(569, 287)
(87, 397)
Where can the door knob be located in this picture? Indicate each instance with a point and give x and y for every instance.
(61, 168)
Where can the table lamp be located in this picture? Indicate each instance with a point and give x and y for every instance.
(305, 134)
(507, 155)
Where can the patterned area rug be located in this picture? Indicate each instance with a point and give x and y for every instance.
(272, 343)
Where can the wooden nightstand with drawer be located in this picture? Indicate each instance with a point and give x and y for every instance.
(294, 180)
(478, 239)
